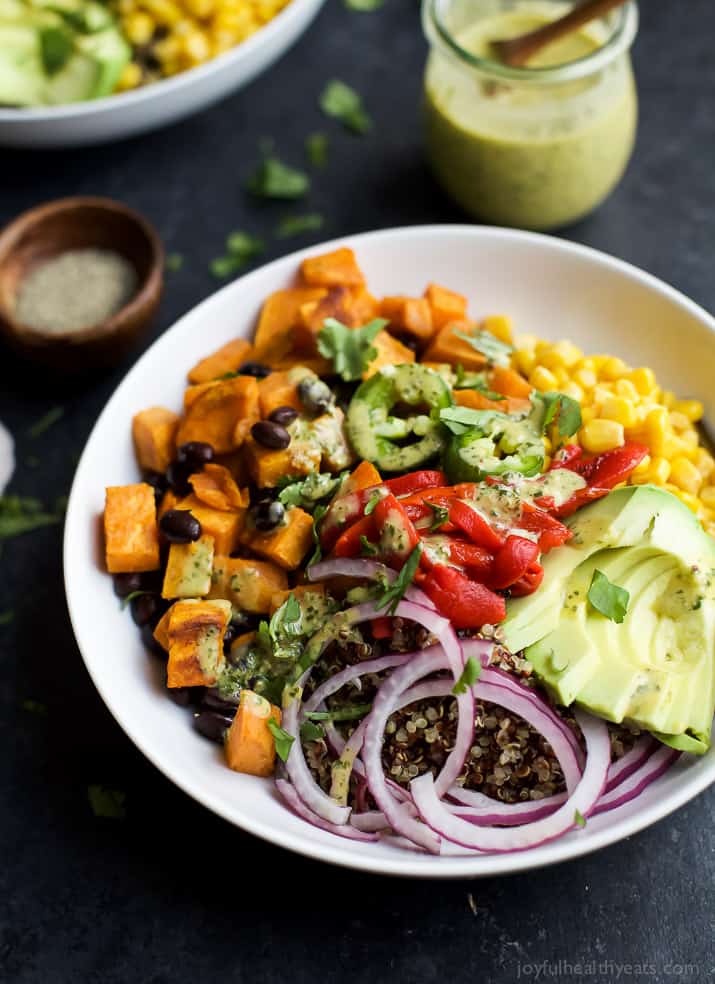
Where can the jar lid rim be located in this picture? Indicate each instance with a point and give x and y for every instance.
(620, 40)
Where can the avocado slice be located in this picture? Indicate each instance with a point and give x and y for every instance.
(656, 669)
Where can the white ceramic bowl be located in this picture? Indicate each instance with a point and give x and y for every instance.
(130, 113)
(549, 287)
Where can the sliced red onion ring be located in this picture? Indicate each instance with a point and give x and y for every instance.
(583, 800)
(298, 806)
(653, 767)
(339, 680)
(7, 457)
(497, 814)
(625, 766)
(300, 775)
(370, 569)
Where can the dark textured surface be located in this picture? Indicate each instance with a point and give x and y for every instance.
(173, 894)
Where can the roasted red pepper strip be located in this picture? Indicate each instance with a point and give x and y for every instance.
(567, 457)
(343, 512)
(528, 582)
(603, 472)
(551, 532)
(396, 532)
(474, 525)
(476, 560)
(466, 603)
(381, 628)
(513, 561)
(349, 544)
(409, 484)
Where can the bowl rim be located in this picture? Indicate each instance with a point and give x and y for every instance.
(166, 86)
(346, 853)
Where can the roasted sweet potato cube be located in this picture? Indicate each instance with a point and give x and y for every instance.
(280, 389)
(478, 401)
(192, 393)
(298, 592)
(267, 467)
(362, 477)
(408, 316)
(336, 269)
(248, 584)
(287, 545)
(226, 359)
(390, 352)
(169, 501)
(222, 414)
(131, 533)
(215, 486)
(275, 334)
(447, 346)
(196, 631)
(154, 433)
(161, 630)
(223, 526)
(353, 306)
(446, 305)
(188, 569)
(250, 746)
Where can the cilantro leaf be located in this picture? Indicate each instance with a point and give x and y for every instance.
(22, 515)
(284, 741)
(296, 225)
(241, 249)
(367, 549)
(311, 732)
(350, 713)
(107, 802)
(317, 554)
(7, 617)
(395, 591)
(564, 410)
(468, 676)
(364, 6)
(127, 599)
(351, 349)
(44, 423)
(316, 148)
(579, 819)
(607, 598)
(174, 262)
(286, 620)
(56, 46)
(274, 179)
(461, 419)
(308, 491)
(496, 352)
(371, 503)
(440, 515)
(343, 103)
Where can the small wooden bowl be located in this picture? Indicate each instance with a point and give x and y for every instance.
(80, 223)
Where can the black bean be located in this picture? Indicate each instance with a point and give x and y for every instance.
(180, 695)
(263, 495)
(125, 584)
(268, 515)
(196, 454)
(256, 369)
(145, 608)
(158, 482)
(177, 475)
(229, 635)
(283, 416)
(147, 634)
(244, 622)
(179, 526)
(410, 342)
(270, 435)
(212, 700)
(315, 395)
(212, 725)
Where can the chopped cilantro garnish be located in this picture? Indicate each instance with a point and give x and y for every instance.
(364, 6)
(127, 599)
(350, 713)
(311, 732)
(316, 147)
(174, 262)
(607, 598)
(367, 549)
(295, 225)
(351, 349)
(21, 515)
(284, 741)
(274, 179)
(439, 517)
(45, 422)
(579, 819)
(564, 410)
(343, 103)
(468, 676)
(371, 503)
(241, 248)
(495, 351)
(308, 491)
(107, 802)
(317, 554)
(395, 592)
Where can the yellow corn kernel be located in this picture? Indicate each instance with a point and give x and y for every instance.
(586, 378)
(569, 352)
(562, 377)
(139, 27)
(690, 500)
(656, 429)
(500, 326)
(612, 368)
(542, 379)
(165, 11)
(200, 8)
(704, 462)
(196, 47)
(573, 390)
(602, 435)
(541, 346)
(678, 421)
(707, 496)
(643, 379)
(668, 399)
(525, 360)
(587, 414)
(660, 470)
(130, 78)
(692, 409)
(619, 409)
(690, 437)
(642, 467)
(525, 342)
(626, 389)
(685, 475)
(548, 444)
(550, 359)
(588, 363)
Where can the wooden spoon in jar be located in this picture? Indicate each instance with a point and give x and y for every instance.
(517, 51)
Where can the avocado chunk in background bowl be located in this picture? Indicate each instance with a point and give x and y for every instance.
(656, 668)
(53, 53)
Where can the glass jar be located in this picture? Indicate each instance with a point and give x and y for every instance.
(539, 146)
